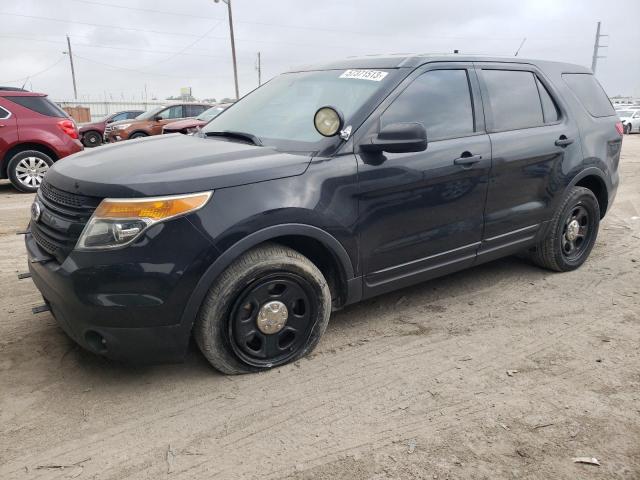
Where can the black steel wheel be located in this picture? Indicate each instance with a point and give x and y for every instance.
(92, 139)
(272, 319)
(268, 308)
(571, 233)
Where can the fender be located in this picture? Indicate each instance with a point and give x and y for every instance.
(261, 236)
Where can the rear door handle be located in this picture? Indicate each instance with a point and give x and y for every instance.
(467, 161)
(564, 141)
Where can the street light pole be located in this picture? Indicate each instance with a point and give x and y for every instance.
(233, 46)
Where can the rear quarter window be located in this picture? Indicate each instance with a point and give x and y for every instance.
(40, 105)
(589, 93)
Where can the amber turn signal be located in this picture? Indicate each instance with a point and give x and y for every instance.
(159, 208)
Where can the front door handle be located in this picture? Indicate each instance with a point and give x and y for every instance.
(564, 141)
(467, 161)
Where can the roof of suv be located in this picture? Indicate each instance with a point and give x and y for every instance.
(18, 92)
(414, 60)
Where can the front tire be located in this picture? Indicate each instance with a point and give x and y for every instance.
(138, 135)
(268, 308)
(571, 234)
(27, 169)
(628, 128)
(92, 139)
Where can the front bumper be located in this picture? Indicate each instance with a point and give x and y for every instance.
(125, 305)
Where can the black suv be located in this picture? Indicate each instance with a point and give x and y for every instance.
(324, 187)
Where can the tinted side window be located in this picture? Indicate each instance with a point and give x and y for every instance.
(440, 100)
(549, 108)
(171, 112)
(40, 105)
(513, 98)
(590, 93)
(194, 110)
(120, 116)
(3, 113)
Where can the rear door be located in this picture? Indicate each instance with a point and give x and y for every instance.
(533, 138)
(421, 214)
(8, 132)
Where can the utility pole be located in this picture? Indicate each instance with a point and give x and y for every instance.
(259, 68)
(73, 72)
(233, 45)
(596, 47)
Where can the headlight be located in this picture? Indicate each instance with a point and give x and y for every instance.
(118, 222)
(122, 127)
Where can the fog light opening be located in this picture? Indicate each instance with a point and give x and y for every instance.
(97, 343)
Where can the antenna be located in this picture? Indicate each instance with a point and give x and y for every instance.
(520, 47)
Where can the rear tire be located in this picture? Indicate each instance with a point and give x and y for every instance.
(233, 326)
(571, 233)
(92, 139)
(27, 169)
(138, 135)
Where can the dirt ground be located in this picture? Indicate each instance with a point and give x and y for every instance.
(413, 384)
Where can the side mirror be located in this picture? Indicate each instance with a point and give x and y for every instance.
(157, 118)
(397, 138)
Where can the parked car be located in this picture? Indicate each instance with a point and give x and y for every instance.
(323, 187)
(193, 124)
(151, 122)
(34, 133)
(91, 134)
(630, 120)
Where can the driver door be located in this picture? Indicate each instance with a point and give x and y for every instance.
(168, 115)
(421, 214)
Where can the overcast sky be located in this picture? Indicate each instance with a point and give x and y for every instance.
(120, 46)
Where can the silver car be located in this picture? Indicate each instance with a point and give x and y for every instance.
(630, 120)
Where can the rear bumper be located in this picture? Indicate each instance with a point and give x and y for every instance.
(123, 310)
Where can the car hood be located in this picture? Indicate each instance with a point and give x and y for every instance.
(180, 124)
(171, 164)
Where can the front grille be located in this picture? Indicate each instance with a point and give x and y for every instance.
(62, 220)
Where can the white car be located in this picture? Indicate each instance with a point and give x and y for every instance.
(630, 120)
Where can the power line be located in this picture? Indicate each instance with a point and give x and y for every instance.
(126, 49)
(27, 77)
(146, 10)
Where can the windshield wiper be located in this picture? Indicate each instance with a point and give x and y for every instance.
(247, 137)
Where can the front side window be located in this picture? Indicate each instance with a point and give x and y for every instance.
(513, 98)
(440, 100)
(171, 112)
(120, 116)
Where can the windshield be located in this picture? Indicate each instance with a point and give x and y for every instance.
(280, 113)
(210, 113)
(149, 114)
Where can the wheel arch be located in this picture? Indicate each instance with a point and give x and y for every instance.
(322, 248)
(23, 147)
(135, 132)
(594, 179)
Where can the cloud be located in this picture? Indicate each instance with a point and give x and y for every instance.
(119, 51)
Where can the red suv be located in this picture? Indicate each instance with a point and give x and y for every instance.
(34, 133)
